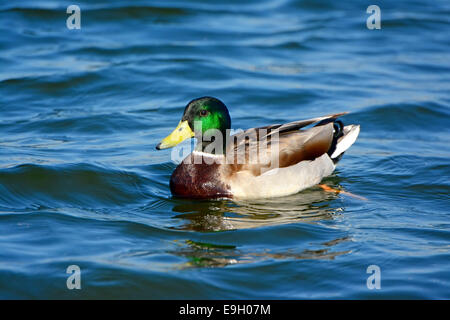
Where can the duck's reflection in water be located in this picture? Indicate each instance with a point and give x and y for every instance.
(202, 254)
(208, 216)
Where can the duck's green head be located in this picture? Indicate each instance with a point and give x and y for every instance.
(202, 118)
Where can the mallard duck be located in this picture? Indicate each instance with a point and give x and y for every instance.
(271, 161)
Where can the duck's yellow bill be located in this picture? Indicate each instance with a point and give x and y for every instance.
(181, 133)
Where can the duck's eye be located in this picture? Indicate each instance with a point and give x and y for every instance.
(204, 113)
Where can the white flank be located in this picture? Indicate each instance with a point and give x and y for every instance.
(282, 181)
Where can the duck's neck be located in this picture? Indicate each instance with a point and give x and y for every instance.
(213, 146)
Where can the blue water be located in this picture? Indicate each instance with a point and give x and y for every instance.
(81, 183)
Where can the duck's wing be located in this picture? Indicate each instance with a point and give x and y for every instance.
(296, 125)
(258, 150)
(278, 128)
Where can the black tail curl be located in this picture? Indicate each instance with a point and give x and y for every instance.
(338, 127)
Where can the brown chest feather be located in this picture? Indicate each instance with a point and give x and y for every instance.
(198, 181)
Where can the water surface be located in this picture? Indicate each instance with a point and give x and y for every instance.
(81, 183)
